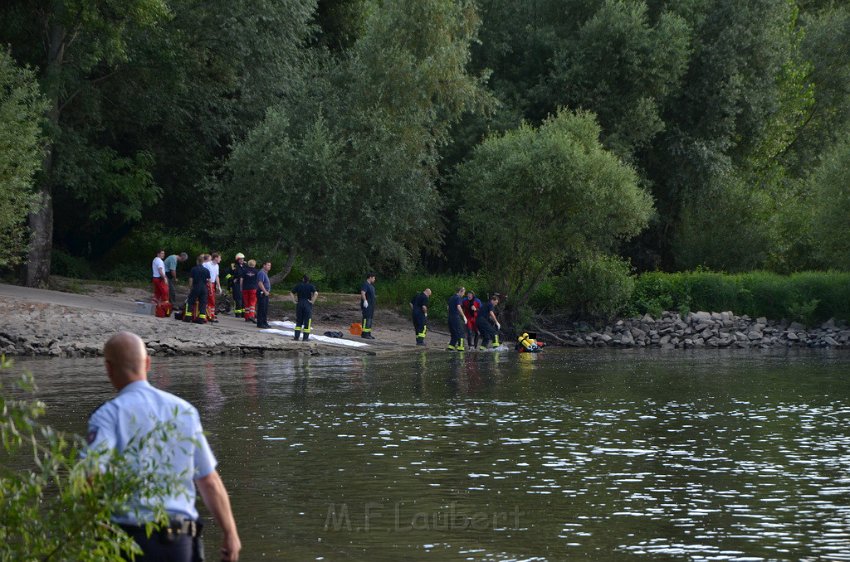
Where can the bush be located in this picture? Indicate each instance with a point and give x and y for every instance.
(808, 297)
(398, 292)
(66, 265)
(599, 287)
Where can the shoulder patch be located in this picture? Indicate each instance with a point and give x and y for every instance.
(92, 435)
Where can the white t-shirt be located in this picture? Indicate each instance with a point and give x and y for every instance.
(213, 269)
(157, 265)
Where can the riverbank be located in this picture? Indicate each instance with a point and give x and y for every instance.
(35, 322)
(700, 330)
(47, 323)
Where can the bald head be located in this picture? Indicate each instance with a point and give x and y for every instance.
(126, 359)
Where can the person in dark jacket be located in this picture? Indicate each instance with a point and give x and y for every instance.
(249, 291)
(419, 306)
(237, 271)
(488, 324)
(303, 294)
(196, 304)
(457, 319)
(367, 305)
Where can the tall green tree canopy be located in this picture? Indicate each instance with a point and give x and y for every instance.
(352, 158)
(21, 144)
(537, 198)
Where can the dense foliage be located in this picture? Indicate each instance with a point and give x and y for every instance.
(21, 108)
(326, 131)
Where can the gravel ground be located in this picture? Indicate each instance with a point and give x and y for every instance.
(37, 322)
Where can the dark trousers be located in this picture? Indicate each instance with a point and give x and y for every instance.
(159, 547)
(199, 295)
(303, 319)
(238, 307)
(456, 331)
(488, 333)
(420, 324)
(472, 335)
(262, 309)
(172, 290)
(367, 313)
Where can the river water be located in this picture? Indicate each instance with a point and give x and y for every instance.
(583, 455)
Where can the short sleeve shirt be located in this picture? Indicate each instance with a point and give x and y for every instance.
(454, 301)
(369, 289)
(304, 291)
(212, 267)
(249, 279)
(484, 313)
(263, 281)
(171, 263)
(157, 265)
(159, 432)
(419, 301)
(200, 275)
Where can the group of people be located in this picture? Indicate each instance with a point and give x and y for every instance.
(250, 287)
(468, 319)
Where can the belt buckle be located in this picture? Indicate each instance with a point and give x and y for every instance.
(182, 526)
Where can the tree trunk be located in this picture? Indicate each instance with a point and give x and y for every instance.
(287, 267)
(37, 270)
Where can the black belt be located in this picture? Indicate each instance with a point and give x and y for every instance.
(175, 527)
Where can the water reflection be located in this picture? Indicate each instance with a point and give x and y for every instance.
(536, 457)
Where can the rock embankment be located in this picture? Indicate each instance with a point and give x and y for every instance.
(706, 330)
(50, 330)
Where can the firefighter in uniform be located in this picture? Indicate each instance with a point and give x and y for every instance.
(196, 304)
(488, 324)
(234, 280)
(249, 291)
(304, 294)
(367, 305)
(457, 319)
(419, 306)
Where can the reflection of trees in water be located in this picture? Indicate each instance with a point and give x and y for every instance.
(213, 396)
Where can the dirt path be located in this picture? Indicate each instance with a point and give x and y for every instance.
(57, 323)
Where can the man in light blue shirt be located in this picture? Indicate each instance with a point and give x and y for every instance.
(171, 274)
(162, 433)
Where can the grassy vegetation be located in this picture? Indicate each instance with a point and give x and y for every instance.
(397, 293)
(597, 291)
(808, 297)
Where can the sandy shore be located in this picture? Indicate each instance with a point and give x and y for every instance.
(36, 322)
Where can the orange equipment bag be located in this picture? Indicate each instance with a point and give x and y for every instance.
(355, 329)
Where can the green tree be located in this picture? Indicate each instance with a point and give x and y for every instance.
(75, 44)
(21, 142)
(538, 198)
(344, 170)
(830, 184)
(623, 66)
(741, 101)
